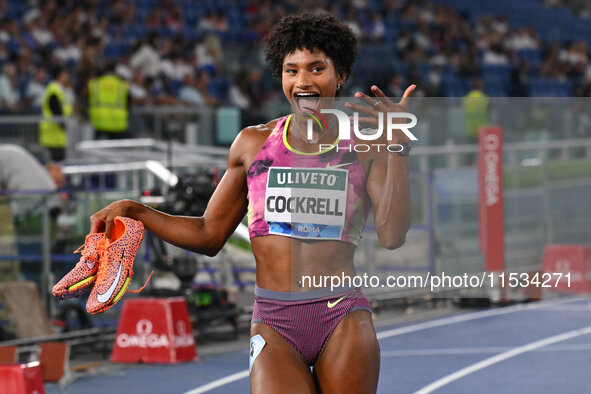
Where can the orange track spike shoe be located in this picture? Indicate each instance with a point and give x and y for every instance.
(82, 277)
(116, 267)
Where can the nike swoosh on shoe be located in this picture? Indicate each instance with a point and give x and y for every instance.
(102, 298)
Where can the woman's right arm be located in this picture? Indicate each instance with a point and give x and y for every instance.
(206, 234)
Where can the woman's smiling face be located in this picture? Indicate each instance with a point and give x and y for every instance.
(306, 76)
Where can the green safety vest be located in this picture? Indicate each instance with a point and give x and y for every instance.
(476, 108)
(107, 103)
(52, 134)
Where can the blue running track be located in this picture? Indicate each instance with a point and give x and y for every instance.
(539, 347)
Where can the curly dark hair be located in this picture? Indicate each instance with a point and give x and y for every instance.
(308, 31)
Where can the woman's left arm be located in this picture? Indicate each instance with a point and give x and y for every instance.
(388, 177)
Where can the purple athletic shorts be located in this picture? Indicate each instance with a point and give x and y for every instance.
(306, 319)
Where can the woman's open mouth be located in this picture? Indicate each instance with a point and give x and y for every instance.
(307, 101)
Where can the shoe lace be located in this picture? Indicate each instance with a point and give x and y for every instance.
(105, 253)
(84, 250)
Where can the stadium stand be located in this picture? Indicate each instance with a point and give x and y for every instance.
(441, 45)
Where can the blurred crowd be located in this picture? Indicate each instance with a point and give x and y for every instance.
(580, 7)
(182, 52)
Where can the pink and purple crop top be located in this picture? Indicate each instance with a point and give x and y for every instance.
(318, 196)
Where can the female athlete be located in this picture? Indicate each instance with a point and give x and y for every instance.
(302, 220)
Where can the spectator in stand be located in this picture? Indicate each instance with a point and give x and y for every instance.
(403, 41)
(123, 69)
(3, 52)
(220, 22)
(86, 69)
(109, 105)
(137, 90)
(376, 29)
(257, 90)
(40, 31)
(207, 23)
(175, 68)
(158, 93)
(435, 81)
(10, 36)
(413, 75)
(24, 65)
(153, 19)
(557, 73)
(75, 34)
(523, 38)
(71, 50)
(422, 36)
(194, 90)
(28, 27)
(173, 20)
(147, 58)
(244, 94)
(57, 102)
(351, 21)
(574, 53)
(587, 81)
(214, 22)
(468, 66)
(519, 87)
(239, 94)
(496, 56)
(10, 101)
(395, 87)
(500, 24)
(209, 54)
(36, 89)
(551, 57)
(476, 109)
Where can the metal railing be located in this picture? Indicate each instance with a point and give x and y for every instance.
(444, 232)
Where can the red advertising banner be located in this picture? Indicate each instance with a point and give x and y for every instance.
(490, 197)
(154, 330)
(568, 268)
(21, 378)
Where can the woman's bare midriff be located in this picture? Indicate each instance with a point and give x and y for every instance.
(288, 264)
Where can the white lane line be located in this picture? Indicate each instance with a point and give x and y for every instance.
(570, 308)
(477, 350)
(467, 317)
(220, 382)
(501, 357)
(399, 331)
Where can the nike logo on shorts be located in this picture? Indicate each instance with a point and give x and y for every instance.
(102, 298)
(331, 305)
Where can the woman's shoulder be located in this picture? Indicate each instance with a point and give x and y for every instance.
(251, 139)
(260, 131)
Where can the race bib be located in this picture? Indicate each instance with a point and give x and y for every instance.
(257, 343)
(306, 202)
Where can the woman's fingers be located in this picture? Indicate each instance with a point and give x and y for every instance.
(361, 108)
(381, 96)
(96, 225)
(370, 121)
(406, 96)
(366, 99)
(102, 221)
(377, 104)
(108, 227)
